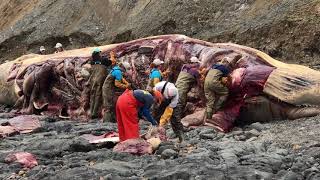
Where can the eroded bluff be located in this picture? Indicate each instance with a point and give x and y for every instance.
(51, 83)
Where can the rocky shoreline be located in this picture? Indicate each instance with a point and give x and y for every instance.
(277, 150)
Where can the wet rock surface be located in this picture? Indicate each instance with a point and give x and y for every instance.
(277, 150)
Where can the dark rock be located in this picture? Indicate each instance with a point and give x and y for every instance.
(165, 145)
(207, 130)
(253, 132)
(169, 153)
(208, 136)
(258, 126)
(80, 145)
(298, 166)
(241, 137)
(291, 176)
(311, 173)
(65, 156)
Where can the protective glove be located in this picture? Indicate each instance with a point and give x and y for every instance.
(120, 85)
(125, 81)
(224, 81)
(113, 57)
(165, 118)
(165, 73)
(203, 73)
(129, 86)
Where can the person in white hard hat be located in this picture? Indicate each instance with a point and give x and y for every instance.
(58, 48)
(188, 77)
(155, 75)
(163, 112)
(42, 50)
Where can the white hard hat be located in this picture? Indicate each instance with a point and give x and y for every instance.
(42, 48)
(157, 62)
(58, 45)
(172, 91)
(126, 65)
(194, 60)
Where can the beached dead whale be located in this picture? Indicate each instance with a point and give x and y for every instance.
(49, 83)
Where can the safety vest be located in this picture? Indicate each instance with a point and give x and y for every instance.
(109, 81)
(153, 70)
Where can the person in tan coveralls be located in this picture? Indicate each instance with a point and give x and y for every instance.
(215, 91)
(97, 77)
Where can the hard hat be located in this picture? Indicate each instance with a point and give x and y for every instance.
(126, 65)
(96, 50)
(172, 91)
(194, 60)
(157, 62)
(58, 45)
(42, 48)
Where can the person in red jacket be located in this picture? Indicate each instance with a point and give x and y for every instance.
(131, 104)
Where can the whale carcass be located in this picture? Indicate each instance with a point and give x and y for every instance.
(49, 83)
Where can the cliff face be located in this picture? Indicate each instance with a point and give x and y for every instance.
(288, 30)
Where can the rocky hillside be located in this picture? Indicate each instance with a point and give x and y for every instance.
(287, 30)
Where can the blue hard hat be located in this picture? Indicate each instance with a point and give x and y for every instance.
(96, 50)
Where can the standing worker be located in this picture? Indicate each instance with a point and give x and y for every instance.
(99, 74)
(113, 86)
(215, 91)
(155, 73)
(127, 111)
(58, 48)
(42, 50)
(188, 76)
(164, 112)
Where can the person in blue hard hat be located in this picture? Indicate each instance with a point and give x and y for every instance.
(99, 66)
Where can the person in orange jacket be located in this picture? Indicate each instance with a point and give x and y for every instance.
(127, 111)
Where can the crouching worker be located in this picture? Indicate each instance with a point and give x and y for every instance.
(127, 111)
(164, 112)
(215, 91)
